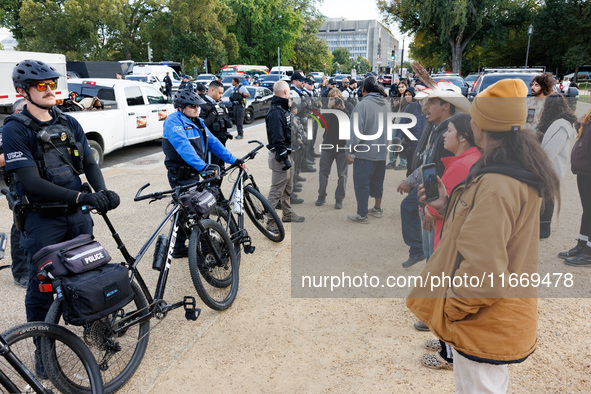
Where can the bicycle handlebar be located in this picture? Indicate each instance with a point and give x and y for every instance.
(250, 155)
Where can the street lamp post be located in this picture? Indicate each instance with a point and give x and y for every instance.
(402, 56)
(530, 31)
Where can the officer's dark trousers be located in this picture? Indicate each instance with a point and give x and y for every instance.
(181, 237)
(20, 263)
(239, 118)
(40, 232)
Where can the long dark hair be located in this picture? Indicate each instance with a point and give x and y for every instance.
(520, 149)
(371, 85)
(555, 107)
(462, 123)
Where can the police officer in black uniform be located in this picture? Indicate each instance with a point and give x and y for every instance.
(279, 122)
(202, 90)
(238, 99)
(46, 152)
(215, 116)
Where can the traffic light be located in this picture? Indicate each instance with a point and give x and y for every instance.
(393, 54)
(150, 52)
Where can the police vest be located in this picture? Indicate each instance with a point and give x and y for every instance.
(236, 96)
(58, 156)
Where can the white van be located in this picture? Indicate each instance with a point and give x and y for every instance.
(160, 72)
(282, 70)
(9, 59)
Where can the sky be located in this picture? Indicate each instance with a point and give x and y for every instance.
(356, 10)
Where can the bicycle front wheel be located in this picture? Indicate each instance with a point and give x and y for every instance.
(262, 214)
(118, 354)
(55, 355)
(216, 281)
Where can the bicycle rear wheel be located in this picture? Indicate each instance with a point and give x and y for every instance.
(259, 210)
(118, 355)
(216, 283)
(51, 350)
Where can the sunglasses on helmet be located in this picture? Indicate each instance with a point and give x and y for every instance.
(42, 86)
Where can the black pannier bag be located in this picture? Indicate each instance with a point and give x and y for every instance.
(75, 256)
(94, 294)
(198, 202)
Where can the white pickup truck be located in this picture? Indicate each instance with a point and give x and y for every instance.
(133, 112)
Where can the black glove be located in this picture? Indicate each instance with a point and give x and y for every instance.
(229, 136)
(281, 155)
(97, 200)
(113, 198)
(238, 162)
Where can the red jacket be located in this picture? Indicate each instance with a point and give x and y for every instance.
(456, 170)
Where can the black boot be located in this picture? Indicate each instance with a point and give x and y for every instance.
(577, 250)
(582, 260)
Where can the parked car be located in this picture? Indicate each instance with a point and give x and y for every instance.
(133, 112)
(387, 80)
(257, 104)
(205, 79)
(270, 80)
(487, 79)
(339, 79)
(227, 81)
(151, 80)
(456, 80)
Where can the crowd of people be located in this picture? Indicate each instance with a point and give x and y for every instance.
(498, 162)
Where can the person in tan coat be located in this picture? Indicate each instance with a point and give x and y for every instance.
(491, 230)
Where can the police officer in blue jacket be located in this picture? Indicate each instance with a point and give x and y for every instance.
(46, 152)
(186, 142)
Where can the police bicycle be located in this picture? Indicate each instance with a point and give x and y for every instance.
(119, 341)
(45, 358)
(246, 196)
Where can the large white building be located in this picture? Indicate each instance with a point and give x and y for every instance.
(366, 38)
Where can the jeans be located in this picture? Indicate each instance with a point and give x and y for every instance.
(326, 159)
(428, 239)
(368, 181)
(411, 223)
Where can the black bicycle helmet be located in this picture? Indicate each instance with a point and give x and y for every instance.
(182, 98)
(29, 71)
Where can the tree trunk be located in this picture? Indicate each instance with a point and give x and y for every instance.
(456, 54)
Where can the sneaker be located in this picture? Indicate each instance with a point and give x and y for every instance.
(320, 202)
(390, 166)
(297, 184)
(180, 252)
(376, 212)
(433, 345)
(299, 178)
(413, 260)
(420, 326)
(22, 282)
(313, 154)
(272, 227)
(239, 137)
(308, 169)
(399, 168)
(293, 219)
(435, 361)
(297, 189)
(338, 204)
(295, 200)
(358, 218)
